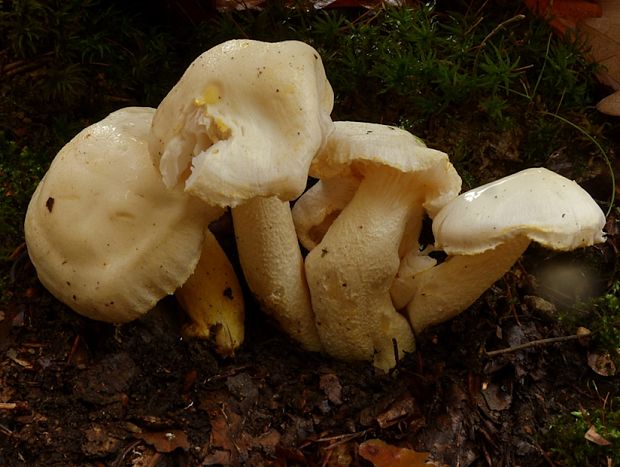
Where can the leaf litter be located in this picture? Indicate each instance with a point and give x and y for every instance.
(142, 392)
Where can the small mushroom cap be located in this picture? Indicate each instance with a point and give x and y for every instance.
(104, 234)
(356, 147)
(537, 203)
(249, 117)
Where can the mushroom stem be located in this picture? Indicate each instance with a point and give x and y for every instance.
(317, 208)
(350, 272)
(213, 299)
(414, 263)
(442, 292)
(273, 266)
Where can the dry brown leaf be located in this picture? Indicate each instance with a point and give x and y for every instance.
(603, 37)
(381, 454)
(399, 410)
(601, 363)
(593, 436)
(332, 388)
(610, 105)
(165, 441)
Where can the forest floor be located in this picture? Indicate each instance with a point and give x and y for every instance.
(78, 392)
(88, 393)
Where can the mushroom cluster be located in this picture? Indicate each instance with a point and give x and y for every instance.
(121, 219)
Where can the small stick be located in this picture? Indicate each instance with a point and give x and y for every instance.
(527, 345)
(499, 27)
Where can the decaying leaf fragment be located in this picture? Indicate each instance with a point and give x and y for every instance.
(165, 441)
(381, 454)
(593, 436)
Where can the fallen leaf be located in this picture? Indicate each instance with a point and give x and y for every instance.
(603, 38)
(497, 397)
(601, 363)
(381, 454)
(218, 457)
(98, 441)
(610, 105)
(564, 14)
(340, 455)
(12, 354)
(225, 427)
(267, 441)
(593, 436)
(330, 385)
(165, 441)
(399, 410)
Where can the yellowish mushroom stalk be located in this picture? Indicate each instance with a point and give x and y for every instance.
(274, 268)
(438, 294)
(412, 264)
(485, 230)
(350, 272)
(317, 208)
(213, 299)
(350, 277)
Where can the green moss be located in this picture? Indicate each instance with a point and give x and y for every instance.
(571, 447)
(605, 323)
(20, 170)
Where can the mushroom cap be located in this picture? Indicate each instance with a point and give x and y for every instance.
(537, 203)
(358, 148)
(104, 234)
(249, 116)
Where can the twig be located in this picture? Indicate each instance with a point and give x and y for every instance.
(536, 343)
(499, 27)
(6, 431)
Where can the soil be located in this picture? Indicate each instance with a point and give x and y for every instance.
(78, 392)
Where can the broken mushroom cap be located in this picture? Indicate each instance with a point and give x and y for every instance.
(104, 234)
(247, 117)
(351, 270)
(485, 230)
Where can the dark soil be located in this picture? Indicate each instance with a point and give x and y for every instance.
(80, 392)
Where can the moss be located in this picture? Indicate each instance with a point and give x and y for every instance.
(568, 436)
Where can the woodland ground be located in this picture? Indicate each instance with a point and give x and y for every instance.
(78, 392)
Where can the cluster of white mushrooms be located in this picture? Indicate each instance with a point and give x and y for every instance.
(121, 219)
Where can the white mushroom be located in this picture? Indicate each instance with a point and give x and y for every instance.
(104, 234)
(248, 117)
(351, 270)
(485, 230)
